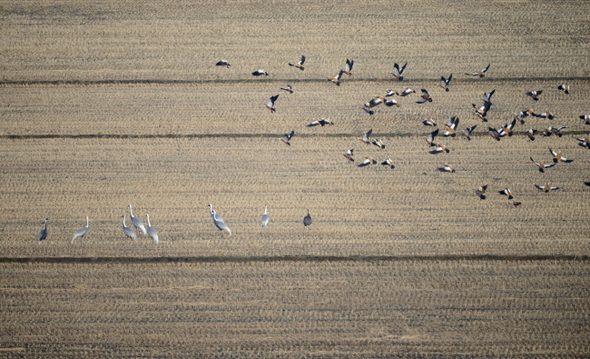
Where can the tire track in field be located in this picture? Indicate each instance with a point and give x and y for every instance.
(294, 258)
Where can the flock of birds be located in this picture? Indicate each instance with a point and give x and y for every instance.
(450, 130)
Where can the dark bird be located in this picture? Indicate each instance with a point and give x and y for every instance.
(444, 83)
(398, 71)
(535, 94)
(348, 67)
(270, 103)
(223, 63)
(287, 137)
(307, 219)
(43, 233)
(480, 73)
(299, 65)
(260, 73)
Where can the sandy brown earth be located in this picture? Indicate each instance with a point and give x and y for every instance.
(109, 104)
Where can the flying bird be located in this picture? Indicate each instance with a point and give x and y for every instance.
(482, 111)
(516, 203)
(447, 168)
(349, 155)
(264, 220)
(130, 233)
(542, 166)
(82, 231)
(378, 142)
(531, 134)
(366, 137)
(440, 148)
(270, 103)
(553, 131)
(299, 65)
(348, 67)
(398, 71)
(431, 137)
(444, 83)
(223, 63)
(407, 91)
(494, 133)
(389, 93)
(137, 223)
(557, 157)
(584, 142)
(307, 219)
(507, 192)
(507, 129)
(151, 230)
(487, 97)
(429, 122)
(480, 73)
(586, 118)
(336, 79)
(322, 122)
(288, 88)
(535, 94)
(425, 97)
(218, 220)
(451, 126)
(287, 137)
(546, 188)
(546, 114)
(522, 114)
(467, 132)
(43, 233)
(480, 192)
(564, 88)
(368, 160)
(388, 162)
(260, 73)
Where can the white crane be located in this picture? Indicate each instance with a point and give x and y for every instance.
(128, 231)
(218, 220)
(151, 230)
(82, 231)
(137, 223)
(264, 219)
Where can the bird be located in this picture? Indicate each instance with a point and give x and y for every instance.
(480, 192)
(407, 91)
(288, 88)
(447, 168)
(535, 94)
(516, 203)
(218, 220)
(558, 157)
(480, 73)
(349, 155)
(299, 65)
(451, 126)
(336, 79)
(507, 129)
(348, 67)
(223, 63)
(586, 118)
(389, 93)
(287, 137)
(43, 233)
(82, 231)
(444, 83)
(440, 148)
(322, 122)
(151, 230)
(546, 114)
(494, 133)
(507, 192)
(270, 103)
(467, 132)
(425, 97)
(553, 130)
(542, 166)
(260, 73)
(307, 219)
(522, 114)
(398, 71)
(429, 122)
(431, 137)
(130, 233)
(388, 162)
(366, 137)
(137, 223)
(587, 183)
(531, 134)
(264, 219)
(546, 188)
(487, 97)
(584, 142)
(482, 111)
(564, 88)
(378, 100)
(378, 142)
(368, 160)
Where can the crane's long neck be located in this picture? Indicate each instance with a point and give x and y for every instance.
(124, 222)
(45, 223)
(265, 209)
(131, 210)
(87, 223)
(148, 219)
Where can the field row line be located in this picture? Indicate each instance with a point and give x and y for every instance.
(272, 80)
(295, 258)
(238, 135)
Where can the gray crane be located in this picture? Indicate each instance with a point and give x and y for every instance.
(130, 233)
(137, 223)
(307, 219)
(218, 220)
(151, 230)
(43, 233)
(82, 231)
(264, 219)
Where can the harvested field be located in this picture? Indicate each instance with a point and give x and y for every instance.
(109, 104)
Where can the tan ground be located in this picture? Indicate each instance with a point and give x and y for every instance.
(109, 104)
